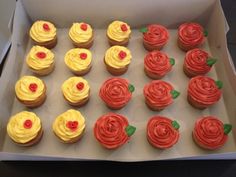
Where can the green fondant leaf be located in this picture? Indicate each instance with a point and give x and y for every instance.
(131, 88)
(174, 93)
(172, 61)
(175, 124)
(205, 33)
(219, 84)
(211, 61)
(143, 30)
(130, 130)
(227, 128)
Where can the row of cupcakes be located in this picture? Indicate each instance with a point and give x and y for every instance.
(117, 92)
(113, 130)
(157, 64)
(155, 36)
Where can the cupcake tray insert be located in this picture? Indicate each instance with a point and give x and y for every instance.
(138, 114)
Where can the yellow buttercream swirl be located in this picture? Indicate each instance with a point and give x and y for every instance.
(114, 31)
(33, 61)
(78, 35)
(73, 60)
(17, 131)
(112, 57)
(22, 88)
(72, 93)
(39, 34)
(60, 125)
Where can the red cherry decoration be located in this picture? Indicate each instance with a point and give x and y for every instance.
(83, 56)
(46, 27)
(28, 124)
(72, 125)
(84, 26)
(122, 54)
(41, 55)
(80, 86)
(33, 87)
(124, 27)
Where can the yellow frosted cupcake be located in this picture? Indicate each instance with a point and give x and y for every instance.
(30, 91)
(25, 128)
(118, 33)
(81, 35)
(78, 60)
(76, 91)
(40, 60)
(69, 126)
(43, 33)
(117, 60)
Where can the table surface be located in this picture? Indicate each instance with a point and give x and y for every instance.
(158, 168)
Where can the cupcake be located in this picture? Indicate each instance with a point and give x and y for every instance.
(155, 37)
(157, 64)
(76, 91)
(210, 133)
(159, 94)
(40, 60)
(190, 36)
(30, 91)
(203, 91)
(113, 130)
(162, 132)
(43, 33)
(81, 35)
(117, 60)
(25, 128)
(197, 62)
(78, 60)
(116, 92)
(118, 33)
(69, 126)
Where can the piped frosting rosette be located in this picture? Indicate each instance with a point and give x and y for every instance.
(118, 31)
(42, 31)
(191, 35)
(162, 132)
(158, 63)
(116, 92)
(113, 130)
(81, 32)
(198, 62)
(159, 94)
(203, 91)
(210, 133)
(155, 35)
(24, 127)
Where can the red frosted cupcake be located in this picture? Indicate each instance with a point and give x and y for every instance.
(162, 132)
(210, 133)
(157, 64)
(159, 94)
(197, 62)
(190, 36)
(203, 91)
(116, 92)
(113, 130)
(154, 37)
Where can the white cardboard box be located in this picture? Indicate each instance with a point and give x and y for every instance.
(99, 14)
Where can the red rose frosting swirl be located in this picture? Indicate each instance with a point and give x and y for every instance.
(209, 133)
(191, 34)
(156, 35)
(204, 90)
(109, 130)
(158, 93)
(196, 62)
(115, 92)
(157, 63)
(161, 133)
